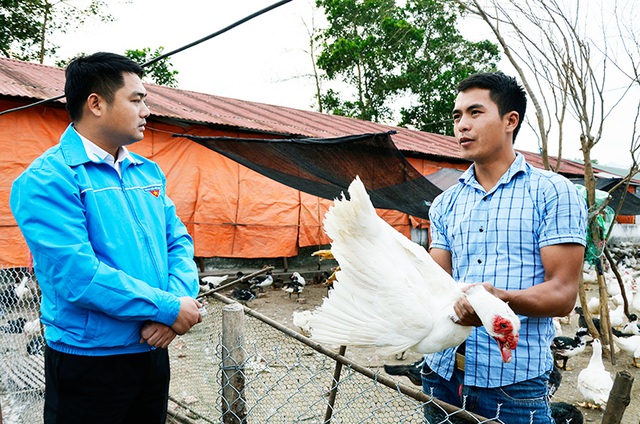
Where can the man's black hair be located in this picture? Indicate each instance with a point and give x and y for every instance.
(100, 73)
(504, 90)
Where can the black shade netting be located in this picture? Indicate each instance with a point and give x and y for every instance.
(630, 201)
(325, 167)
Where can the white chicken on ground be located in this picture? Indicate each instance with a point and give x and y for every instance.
(629, 345)
(390, 293)
(211, 282)
(617, 318)
(593, 305)
(301, 320)
(595, 382)
(634, 306)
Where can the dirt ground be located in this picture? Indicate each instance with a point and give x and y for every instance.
(277, 305)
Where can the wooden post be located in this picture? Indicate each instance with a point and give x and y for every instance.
(234, 409)
(334, 387)
(619, 398)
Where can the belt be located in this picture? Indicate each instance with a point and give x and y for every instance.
(460, 351)
(460, 361)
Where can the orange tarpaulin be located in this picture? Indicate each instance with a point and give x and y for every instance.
(230, 210)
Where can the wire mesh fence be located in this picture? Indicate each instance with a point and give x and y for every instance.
(21, 346)
(253, 370)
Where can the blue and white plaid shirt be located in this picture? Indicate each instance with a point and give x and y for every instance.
(496, 237)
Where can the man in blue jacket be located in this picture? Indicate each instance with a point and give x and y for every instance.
(113, 260)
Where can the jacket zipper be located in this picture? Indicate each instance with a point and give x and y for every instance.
(146, 235)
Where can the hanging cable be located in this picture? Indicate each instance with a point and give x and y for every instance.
(171, 53)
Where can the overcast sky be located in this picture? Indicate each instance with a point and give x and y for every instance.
(264, 60)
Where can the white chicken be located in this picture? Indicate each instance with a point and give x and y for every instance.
(32, 327)
(630, 345)
(301, 320)
(22, 290)
(595, 382)
(211, 282)
(613, 288)
(617, 318)
(634, 307)
(390, 293)
(589, 274)
(593, 305)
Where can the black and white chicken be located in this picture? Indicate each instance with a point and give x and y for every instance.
(582, 322)
(36, 345)
(390, 293)
(261, 282)
(411, 371)
(632, 328)
(565, 413)
(564, 348)
(243, 295)
(14, 326)
(555, 378)
(297, 278)
(295, 285)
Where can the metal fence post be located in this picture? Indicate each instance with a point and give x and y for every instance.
(233, 381)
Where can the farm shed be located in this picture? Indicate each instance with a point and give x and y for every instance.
(230, 210)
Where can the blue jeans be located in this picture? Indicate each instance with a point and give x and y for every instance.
(526, 402)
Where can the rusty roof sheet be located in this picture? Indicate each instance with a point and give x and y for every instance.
(35, 81)
(30, 80)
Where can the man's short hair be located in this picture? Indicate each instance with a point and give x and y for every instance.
(100, 73)
(504, 90)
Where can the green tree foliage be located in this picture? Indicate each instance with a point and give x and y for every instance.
(384, 51)
(443, 59)
(27, 25)
(19, 29)
(159, 72)
(362, 46)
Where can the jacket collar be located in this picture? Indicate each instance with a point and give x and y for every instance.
(75, 154)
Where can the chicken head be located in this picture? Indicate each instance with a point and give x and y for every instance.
(506, 336)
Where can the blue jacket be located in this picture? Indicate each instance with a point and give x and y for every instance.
(109, 252)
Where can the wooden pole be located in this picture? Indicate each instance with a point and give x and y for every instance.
(623, 289)
(234, 410)
(619, 398)
(605, 323)
(334, 387)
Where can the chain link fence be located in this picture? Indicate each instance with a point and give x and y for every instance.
(237, 366)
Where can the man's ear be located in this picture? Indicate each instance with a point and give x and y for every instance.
(512, 118)
(95, 104)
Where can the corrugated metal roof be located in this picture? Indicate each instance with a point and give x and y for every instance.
(35, 81)
(31, 80)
